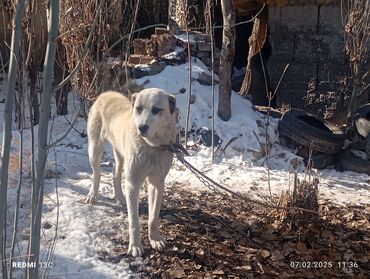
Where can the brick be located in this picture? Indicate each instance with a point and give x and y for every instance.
(140, 59)
(166, 43)
(139, 46)
(134, 59)
(151, 47)
(160, 30)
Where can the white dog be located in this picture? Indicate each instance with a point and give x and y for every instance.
(136, 130)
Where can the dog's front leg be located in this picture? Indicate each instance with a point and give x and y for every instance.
(132, 187)
(155, 196)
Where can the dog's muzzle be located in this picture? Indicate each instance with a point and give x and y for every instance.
(143, 129)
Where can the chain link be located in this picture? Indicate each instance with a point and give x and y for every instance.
(197, 175)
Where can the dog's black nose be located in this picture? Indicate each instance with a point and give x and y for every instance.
(143, 128)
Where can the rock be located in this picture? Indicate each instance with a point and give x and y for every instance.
(192, 99)
(205, 79)
(204, 136)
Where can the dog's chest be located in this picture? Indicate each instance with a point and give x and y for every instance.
(153, 158)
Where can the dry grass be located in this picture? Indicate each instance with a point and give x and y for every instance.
(76, 21)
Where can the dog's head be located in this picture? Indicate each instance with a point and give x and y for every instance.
(155, 116)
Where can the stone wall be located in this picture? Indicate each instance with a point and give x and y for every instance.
(309, 38)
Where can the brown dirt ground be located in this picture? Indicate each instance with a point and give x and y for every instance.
(213, 236)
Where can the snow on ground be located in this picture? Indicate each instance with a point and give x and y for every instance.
(86, 231)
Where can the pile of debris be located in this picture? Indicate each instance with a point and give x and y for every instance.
(163, 46)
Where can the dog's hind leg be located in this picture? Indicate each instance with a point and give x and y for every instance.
(96, 149)
(155, 196)
(117, 177)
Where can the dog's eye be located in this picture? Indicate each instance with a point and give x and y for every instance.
(156, 110)
(139, 110)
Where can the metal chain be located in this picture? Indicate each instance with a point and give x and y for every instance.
(180, 152)
(194, 171)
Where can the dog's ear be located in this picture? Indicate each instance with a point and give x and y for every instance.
(133, 98)
(172, 103)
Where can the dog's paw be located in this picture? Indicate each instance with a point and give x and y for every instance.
(88, 199)
(159, 245)
(135, 250)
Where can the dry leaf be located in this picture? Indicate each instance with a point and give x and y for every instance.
(328, 235)
(289, 248)
(218, 272)
(265, 253)
(301, 247)
(177, 273)
(276, 256)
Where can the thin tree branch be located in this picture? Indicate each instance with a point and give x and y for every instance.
(7, 128)
(42, 151)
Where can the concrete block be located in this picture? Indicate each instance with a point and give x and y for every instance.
(204, 46)
(297, 74)
(333, 73)
(293, 18)
(315, 48)
(297, 18)
(282, 46)
(330, 19)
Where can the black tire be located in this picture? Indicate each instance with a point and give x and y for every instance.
(322, 161)
(362, 120)
(350, 161)
(363, 112)
(367, 146)
(306, 130)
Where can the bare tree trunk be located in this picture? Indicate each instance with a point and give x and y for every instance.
(177, 15)
(60, 72)
(355, 93)
(256, 41)
(226, 60)
(34, 97)
(7, 128)
(38, 187)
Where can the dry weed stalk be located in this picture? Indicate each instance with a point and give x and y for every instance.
(356, 22)
(79, 22)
